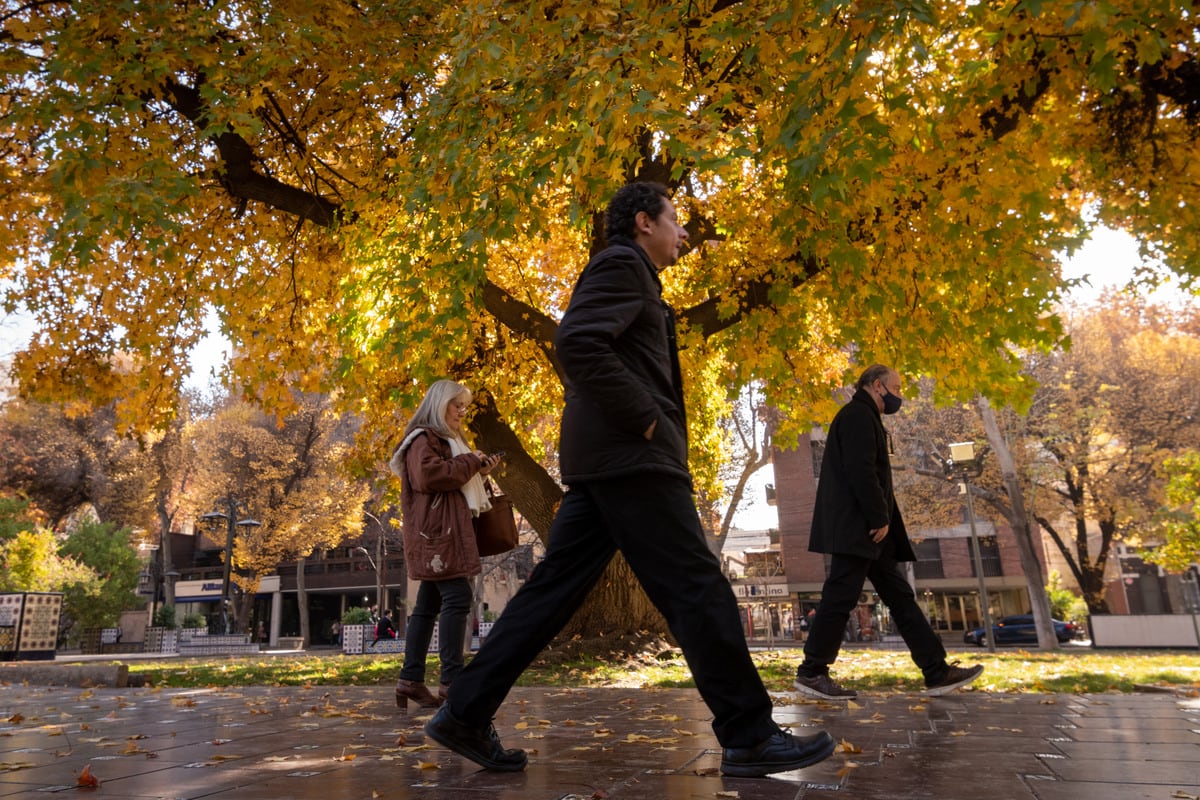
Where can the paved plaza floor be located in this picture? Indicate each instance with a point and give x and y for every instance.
(336, 742)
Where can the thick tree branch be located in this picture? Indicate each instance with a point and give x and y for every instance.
(238, 173)
(523, 320)
(752, 295)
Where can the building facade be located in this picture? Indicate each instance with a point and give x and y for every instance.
(944, 576)
(362, 574)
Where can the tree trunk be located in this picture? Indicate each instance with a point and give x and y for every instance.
(530, 487)
(1019, 521)
(617, 610)
(617, 615)
(167, 558)
(302, 601)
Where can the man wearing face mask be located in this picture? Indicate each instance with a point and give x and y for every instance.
(856, 521)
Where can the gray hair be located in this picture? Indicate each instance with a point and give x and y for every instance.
(875, 372)
(431, 414)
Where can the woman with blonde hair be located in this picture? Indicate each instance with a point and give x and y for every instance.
(442, 490)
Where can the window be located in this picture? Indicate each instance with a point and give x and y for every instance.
(989, 554)
(929, 559)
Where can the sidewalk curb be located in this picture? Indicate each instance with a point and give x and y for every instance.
(81, 675)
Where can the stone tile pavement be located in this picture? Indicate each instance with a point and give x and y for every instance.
(271, 743)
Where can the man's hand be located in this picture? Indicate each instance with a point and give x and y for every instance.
(649, 434)
(879, 534)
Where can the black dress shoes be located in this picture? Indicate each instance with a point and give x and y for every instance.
(481, 745)
(780, 753)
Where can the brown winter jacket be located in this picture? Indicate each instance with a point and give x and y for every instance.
(439, 537)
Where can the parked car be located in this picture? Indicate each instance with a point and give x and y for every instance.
(1018, 629)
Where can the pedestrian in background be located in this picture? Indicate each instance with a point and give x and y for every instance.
(441, 491)
(856, 521)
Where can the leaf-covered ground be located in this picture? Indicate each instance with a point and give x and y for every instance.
(1071, 670)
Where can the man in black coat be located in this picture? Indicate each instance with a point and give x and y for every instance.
(624, 456)
(857, 521)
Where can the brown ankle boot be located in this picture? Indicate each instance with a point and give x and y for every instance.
(417, 693)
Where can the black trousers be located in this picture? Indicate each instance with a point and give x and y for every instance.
(447, 603)
(839, 596)
(652, 520)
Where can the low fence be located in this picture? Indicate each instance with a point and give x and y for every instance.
(1146, 630)
(357, 640)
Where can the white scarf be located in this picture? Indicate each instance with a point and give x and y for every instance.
(473, 491)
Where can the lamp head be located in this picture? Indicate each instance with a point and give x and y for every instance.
(962, 452)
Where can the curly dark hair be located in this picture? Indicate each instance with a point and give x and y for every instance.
(628, 201)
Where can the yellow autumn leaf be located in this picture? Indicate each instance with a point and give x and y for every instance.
(847, 747)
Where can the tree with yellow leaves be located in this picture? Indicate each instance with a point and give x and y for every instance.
(1178, 521)
(287, 476)
(372, 195)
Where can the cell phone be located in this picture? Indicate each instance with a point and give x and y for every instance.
(498, 454)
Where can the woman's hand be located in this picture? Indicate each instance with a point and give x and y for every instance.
(489, 462)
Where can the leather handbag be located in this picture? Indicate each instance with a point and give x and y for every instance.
(496, 529)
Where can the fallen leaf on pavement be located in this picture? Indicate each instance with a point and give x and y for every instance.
(87, 779)
(13, 766)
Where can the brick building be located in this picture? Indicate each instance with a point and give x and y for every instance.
(944, 575)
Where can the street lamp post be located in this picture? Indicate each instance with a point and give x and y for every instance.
(964, 464)
(378, 577)
(232, 523)
(379, 564)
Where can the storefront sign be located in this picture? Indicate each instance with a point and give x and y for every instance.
(745, 591)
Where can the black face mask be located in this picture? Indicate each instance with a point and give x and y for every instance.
(891, 402)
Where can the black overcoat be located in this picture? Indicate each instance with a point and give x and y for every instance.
(854, 492)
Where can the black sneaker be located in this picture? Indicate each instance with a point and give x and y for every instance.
(481, 745)
(823, 687)
(954, 677)
(780, 753)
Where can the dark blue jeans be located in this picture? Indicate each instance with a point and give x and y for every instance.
(652, 520)
(451, 599)
(839, 596)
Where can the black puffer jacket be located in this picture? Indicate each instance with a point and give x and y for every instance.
(616, 344)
